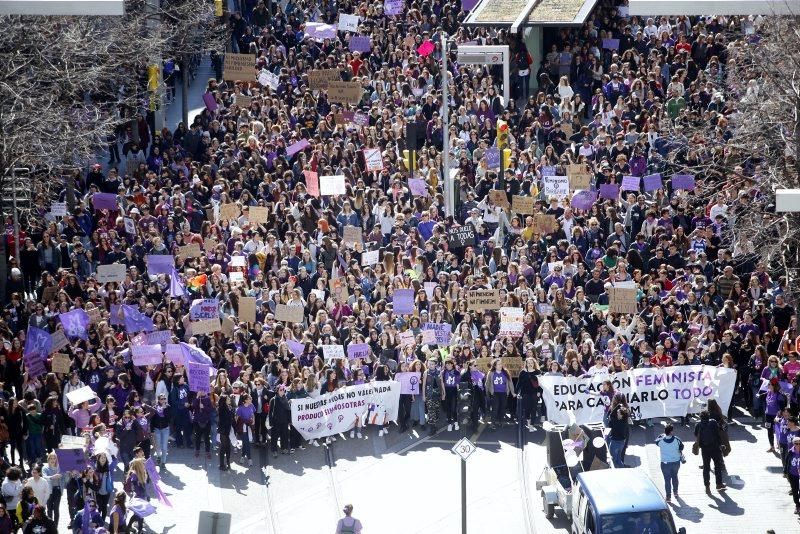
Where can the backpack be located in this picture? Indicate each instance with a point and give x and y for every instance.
(348, 530)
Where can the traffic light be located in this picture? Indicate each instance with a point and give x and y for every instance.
(218, 9)
(506, 158)
(152, 77)
(502, 134)
(410, 159)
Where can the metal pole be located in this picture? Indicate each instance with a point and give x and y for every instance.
(463, 497)
(446, 180)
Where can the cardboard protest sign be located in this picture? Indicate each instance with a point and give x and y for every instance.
(209, 244)
(461, 236)
(228, 326)
(143, 355)
(556, 186)
(483, 364)
(545, 224)
(58, 340)
(348, 23)
(111, 273)
(258, 214)
(80, 395)
(332, 185)
(622, 300)
(338, 289)
(522, 205)
(410, 383)
(483, 299)
(319, 79)
(512, 364)
(352, 235)
(243, 101)
(206, 326)
(290, 314)
(373, 158)
(239, 67)
(94, 314)
(332, 352)
(500, 198)
(191, 250)
(345, 92)
(247, 309)
(229, 211)
(199, 376)
(61, 363)
(578, 177)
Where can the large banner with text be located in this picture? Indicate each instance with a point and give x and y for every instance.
(653, 392)
(375, 403)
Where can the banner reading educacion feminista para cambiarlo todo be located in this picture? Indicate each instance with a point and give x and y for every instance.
(337, 412)
(651, 392)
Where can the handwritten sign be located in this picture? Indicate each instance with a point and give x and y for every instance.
(371, 257)
(191, 250)
(511, 322)
(332, 185)
(544, 223)
(111, 273)
(483, 299)
(500, 198)
(373, 158)
(556, 186)
(58, 209)
(198, 376)
(239, 67)
(512, 364)
(204, 309)
(290, 314)
(332, 352)
(348, 23)
(229, 211)
(80, 395)
(345, 92)
(630, 183)
(522, 205)
(352, 235)
(319, 79)
(461, 236)
(622, 300)
(206, 326)
(357, 350)
(58, 340)
(143, 355)
(258, 214)
(61, 363)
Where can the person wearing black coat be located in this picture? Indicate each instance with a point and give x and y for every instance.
(280, 416)
(707, 433)
(224, 425)
(529, 391)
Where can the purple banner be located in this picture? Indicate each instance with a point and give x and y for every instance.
(176, 287)
(357, 350)
(159, 263)
(75, 323)
(71, 460)
(652, 182)
(403, 301)
(611, 44)
(410, 383)
(630, 183)
(393, 7)
(294, 148)
(493, 158)
(609, 191)
(198, 377)
(467, 5)
(360, 43)
(104, 201)
(583, 200)
(683, 181)
(115, 315)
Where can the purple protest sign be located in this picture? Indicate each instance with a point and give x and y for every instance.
(548, 170)
(403, 301)
(393, 7)
(159, 263)
(360, 119)
(630, 183)
(320, 31)
(417, 187)
(198, 376)
(409, 383)
(349, 116)
(75, 323)
(611, 44)
(210, 102)
(609, 191)
(295, 347)
(71, 459)
(143, 355)
(104, 201)
(683, 181)
(34, 365)
(360, 43)
(357, 350)
(442, 330)
(583, 200)
(174, 353)
(493, 158)
(652, 182)
(115, 315)
(159, 337)
(294, 148)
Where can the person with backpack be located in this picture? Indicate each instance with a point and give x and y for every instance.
(708, 443)
(671, 448)
(348, 524)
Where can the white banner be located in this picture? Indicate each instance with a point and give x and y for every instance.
(332, 413)
(653, 392)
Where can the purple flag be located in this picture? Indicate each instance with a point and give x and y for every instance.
(611, 44)
(176, 287)
(417, 187)
(294, 148)
(403, 301)
(159, 263)
(652, 182)
(136, 321)
(210, 102)
(360, 43)
(86, 519)
(150, 466)
(683, 181)
(34, 365)
(115, 317)
(630, 183)
(295, 347)
(609, 191)
(75, 323)
(467, 5)
(583, 200)
(192, 354)
(37, 342)
(104, 201)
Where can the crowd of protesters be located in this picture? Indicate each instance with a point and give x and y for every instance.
(618, 111)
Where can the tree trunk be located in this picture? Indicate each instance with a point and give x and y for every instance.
(185, 99)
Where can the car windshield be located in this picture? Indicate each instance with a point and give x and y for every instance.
(659, 522)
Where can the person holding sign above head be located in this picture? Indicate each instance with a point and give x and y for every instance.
(498, 386)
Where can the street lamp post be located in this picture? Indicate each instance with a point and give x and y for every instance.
(447, 181)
